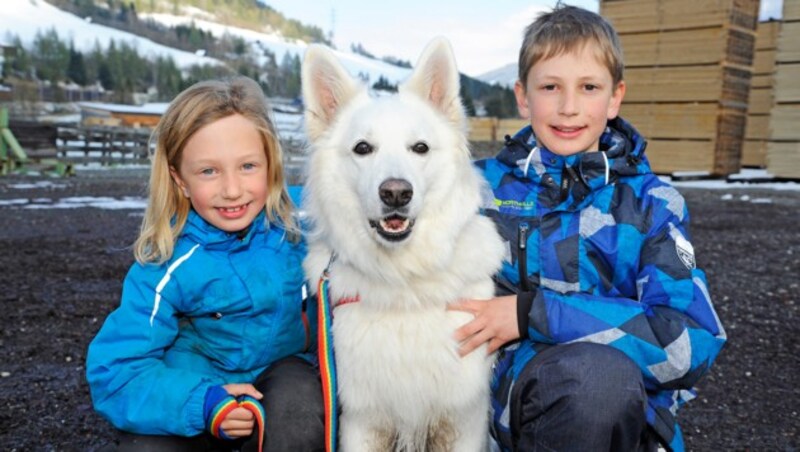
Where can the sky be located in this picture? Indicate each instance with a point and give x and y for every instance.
(485, 34)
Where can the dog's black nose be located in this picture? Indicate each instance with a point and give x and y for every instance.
(395, 192)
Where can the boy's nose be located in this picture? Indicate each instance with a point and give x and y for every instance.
(569, 103)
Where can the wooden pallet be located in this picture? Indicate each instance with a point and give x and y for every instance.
(783, 149)
(689, 68)
(754, 150)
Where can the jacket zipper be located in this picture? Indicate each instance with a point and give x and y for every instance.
(522, 257)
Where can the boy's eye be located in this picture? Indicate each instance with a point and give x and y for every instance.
(591, 87)
(549, 87)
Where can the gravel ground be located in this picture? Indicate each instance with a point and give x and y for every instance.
(63, 267)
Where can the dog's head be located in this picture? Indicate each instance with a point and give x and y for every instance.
(386, 166)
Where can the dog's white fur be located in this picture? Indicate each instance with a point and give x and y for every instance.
(402, 384)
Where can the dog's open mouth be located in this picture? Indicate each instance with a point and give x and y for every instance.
(394, 227)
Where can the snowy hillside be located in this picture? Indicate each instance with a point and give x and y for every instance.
(503, 76)
(24, 18)
(280, 46)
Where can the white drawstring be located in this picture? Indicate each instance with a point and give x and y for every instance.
(528, 161)
(605, 159)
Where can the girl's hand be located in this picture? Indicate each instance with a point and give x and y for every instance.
(237, 389)
(495, 322)
(240, 422)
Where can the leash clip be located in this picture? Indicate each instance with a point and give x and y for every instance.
(327, 272)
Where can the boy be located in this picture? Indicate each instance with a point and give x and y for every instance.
(605, 322)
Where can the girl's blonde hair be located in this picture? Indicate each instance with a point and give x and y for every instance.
(197, 106)
(565, 29)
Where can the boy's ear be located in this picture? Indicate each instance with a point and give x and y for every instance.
(436, 80)
(327, 87)
(177, 178)
(616, 100)
(522, 100)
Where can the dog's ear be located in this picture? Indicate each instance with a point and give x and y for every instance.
(435, 79)
(327, 87)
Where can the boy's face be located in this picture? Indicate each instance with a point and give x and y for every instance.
(568, 99)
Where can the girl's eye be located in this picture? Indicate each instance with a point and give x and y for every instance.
(207, 171)
(249, 166)
(362, 148)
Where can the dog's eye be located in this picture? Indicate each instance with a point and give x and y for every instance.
(362, 148)
(420, 147)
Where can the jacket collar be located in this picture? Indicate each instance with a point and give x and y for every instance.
(621, 154)
(211, 237)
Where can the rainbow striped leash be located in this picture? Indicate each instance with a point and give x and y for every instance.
(327, 362)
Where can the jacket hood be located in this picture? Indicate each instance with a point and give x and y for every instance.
(211, 237)
(621, 154)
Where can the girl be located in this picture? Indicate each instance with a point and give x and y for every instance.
(207, 348)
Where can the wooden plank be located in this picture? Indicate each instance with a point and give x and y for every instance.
(669, 156)
(677, 47)
(787, 83)
(785, 122)
(764, 62)
(789, 43)
(783, 159)
(688, 84)
(757, 127)
(763, 80)
(676, 120)
(767, 35)
(482, 129)
(791, 10)
(754, 153)
(630, 16)
(761, 101)
(510, 127)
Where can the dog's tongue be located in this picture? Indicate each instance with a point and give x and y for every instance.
(395, 223)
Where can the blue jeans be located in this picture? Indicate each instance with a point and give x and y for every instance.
(294, 416)
(579, 397)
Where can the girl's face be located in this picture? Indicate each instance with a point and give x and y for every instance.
(223, 172)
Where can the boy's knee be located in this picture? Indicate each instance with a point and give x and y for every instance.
(593, 383)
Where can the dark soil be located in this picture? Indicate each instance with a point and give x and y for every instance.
(62, 270)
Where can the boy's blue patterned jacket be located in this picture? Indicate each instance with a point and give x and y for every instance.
(604, 246)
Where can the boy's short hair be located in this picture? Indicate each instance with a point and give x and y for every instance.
(567, 28)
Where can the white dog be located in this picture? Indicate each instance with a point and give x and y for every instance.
(391, 192)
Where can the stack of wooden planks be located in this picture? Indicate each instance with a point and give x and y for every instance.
(754, 151)
(688, 67)
(783, 149)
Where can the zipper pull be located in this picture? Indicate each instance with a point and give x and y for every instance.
(523, 236)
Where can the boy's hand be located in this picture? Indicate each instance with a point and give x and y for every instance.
(495, 322)
(240, 422)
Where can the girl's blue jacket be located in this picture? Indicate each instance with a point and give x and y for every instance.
(599, 248)
(221, 310)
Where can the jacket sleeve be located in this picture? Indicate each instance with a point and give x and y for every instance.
(671, 331)
(130, 384)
